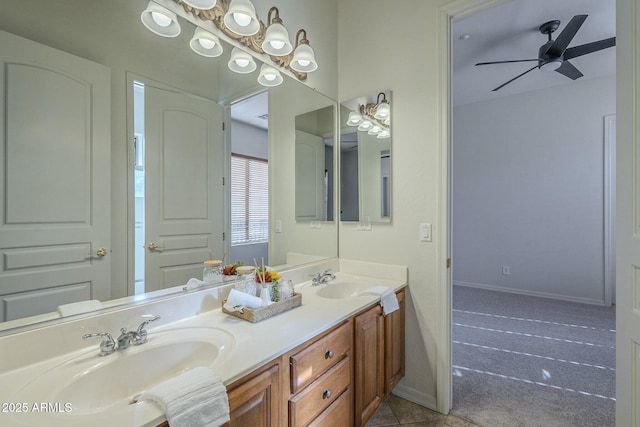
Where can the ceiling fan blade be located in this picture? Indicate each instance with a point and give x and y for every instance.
(506, 62)
(583, 49)
(567, 69)
(516, 77)
(565, 37)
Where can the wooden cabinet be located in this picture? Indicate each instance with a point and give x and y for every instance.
(320, 375)
(254, 401)
(378, 357)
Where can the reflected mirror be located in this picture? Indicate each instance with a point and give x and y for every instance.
(69, 227)
(365, 159)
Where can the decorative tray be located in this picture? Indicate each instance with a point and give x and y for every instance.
(254, 315)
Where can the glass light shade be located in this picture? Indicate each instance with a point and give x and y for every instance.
(241, 18)
(354, 119)
(304, 59)
(365, 125)
(551, 65)
(206, 44)
(241, 62)
(276, 40)
(160, 21)
(200, 4)
(376, 129)
(269, 76)
(386, 133)
(383, 111)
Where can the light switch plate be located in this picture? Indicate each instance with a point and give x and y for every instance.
(278, 226)
(425, 232)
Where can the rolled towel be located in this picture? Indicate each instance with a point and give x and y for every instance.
(79, 307)
(388, 298)
(237, 298)
(193, 283)
(194, 398)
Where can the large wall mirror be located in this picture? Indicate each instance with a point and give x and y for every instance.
(72, 202)
(365, 158)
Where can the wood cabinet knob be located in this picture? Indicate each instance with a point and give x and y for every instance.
(328, 354)
(326, 394)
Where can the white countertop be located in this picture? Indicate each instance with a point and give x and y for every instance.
(254, 345)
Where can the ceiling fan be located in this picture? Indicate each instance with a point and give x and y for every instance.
(554, 55)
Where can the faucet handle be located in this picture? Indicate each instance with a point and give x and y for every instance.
(141, 337)
(107, 346)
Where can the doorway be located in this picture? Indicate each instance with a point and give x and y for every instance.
(513, 216)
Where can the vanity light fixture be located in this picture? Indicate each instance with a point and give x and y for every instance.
(206, 44)
(304, 59)
(375, 130)
(365, 126)
(241, 18)
(276, 39)
(386, 133)
(241, 62)
(269, 76)
(373, 118)
(201, 4)
(160, 21)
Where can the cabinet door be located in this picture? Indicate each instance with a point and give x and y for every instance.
(368, 363)
(394, 346)
(256, 402)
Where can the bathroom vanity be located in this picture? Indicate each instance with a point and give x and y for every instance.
(331, 361)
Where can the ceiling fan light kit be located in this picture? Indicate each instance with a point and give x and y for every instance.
(554, 55)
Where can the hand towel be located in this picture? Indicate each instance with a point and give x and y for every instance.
(79, 307)
(237, 298)
(196, 398)
(193, 283)
(388, 299)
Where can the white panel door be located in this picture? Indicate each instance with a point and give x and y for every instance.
(628, 215)
(309, 177)
(54, 178)
(184, 168)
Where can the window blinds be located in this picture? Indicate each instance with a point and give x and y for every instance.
(249, 200)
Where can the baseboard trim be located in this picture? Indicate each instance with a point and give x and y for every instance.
(528, 292)
(415, 396)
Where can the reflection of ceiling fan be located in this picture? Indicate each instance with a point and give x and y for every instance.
(554, 55)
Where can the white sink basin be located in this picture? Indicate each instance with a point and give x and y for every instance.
(340, 290)
(94, 384)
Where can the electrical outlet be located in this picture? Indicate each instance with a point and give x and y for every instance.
(506, 270)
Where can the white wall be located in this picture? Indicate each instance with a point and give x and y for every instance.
(386, 47)
(528, 191)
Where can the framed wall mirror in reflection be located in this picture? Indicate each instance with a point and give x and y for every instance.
(365, 158)
(72, 200)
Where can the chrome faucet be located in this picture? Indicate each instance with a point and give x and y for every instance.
(124, 341)
(322, 278)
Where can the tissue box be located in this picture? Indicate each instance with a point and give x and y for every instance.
(258, 314)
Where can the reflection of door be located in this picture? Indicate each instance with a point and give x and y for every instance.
(184, 168)
(54, 179)
(310, 188)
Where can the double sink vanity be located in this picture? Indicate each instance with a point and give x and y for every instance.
(331, 360)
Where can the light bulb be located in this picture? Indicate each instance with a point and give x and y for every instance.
(270, 77)
(242, 63)
(276, 44)
(206, 43)
(242, 19)
(304, 62)
(161, 19)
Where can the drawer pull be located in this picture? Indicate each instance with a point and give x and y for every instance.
(326, 394)
(328, 354)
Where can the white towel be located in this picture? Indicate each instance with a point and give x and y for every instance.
(242, 299)
(79, 307)
(388, 299)
(193, 283)
(196, 398)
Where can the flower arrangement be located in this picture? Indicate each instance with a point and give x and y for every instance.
(269, 279)
(231, 269)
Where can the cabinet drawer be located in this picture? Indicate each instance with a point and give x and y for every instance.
(310, 363)
(338, 414)
(311, 401)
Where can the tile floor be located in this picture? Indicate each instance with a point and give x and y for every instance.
(400, 412)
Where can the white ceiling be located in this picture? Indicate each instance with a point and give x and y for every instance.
(252, 111)
(510, 31)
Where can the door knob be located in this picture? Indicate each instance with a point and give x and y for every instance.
(152, 246)
(101, 252)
